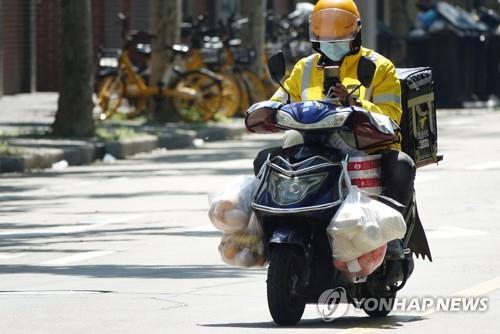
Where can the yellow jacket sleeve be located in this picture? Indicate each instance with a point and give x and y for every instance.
(386, 94)
(292, 85)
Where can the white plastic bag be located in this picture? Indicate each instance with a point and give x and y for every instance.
(362, 224)
(244, 249)
(230, 209)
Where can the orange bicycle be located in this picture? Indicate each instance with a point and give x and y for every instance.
(195, 95)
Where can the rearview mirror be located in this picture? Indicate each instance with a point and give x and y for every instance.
(277, 67)
(366, 71)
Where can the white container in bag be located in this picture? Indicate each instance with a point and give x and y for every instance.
(362, 224)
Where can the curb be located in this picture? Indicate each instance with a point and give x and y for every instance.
(127, 147)
(76, 152)
(10, 164)
(179, 140)
(219, 133)
(171, 139)
(43, 153)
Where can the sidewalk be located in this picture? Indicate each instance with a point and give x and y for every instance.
(25, 121)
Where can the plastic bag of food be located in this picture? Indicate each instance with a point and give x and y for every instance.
(230, 209)
(362, 224)
(244, 249)
(363, 265)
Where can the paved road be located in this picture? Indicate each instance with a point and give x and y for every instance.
(128, 248)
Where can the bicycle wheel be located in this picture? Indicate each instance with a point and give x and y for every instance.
(110, 91)
(208, 101)
(244, 86)
(270, 87)
(232, 94)
(256, 87)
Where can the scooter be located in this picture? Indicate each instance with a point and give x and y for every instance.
(299, 191)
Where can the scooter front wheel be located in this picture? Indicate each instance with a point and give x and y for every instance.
(378, 307)
(284, 282)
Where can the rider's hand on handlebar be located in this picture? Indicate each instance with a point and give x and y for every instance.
(341, 92)
(268, 125)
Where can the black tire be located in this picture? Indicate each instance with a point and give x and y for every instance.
(283, 277)
(383, 307)
(109, 105)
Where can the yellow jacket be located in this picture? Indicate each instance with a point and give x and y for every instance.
(305, 83)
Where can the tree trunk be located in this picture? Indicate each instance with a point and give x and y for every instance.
(258, 26)
(400, 24)
(166, 19)
(74, 111)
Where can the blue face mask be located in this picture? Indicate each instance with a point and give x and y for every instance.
(335, 50)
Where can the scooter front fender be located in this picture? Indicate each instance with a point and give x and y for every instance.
(289, 235)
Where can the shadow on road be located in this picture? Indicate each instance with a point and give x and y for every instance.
(135, 271)
(388, 323)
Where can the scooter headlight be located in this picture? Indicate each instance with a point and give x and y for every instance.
(290, 190)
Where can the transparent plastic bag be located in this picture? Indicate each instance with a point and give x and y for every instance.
(363, 265)
(363, 224)
(244, 249)
(230, 209)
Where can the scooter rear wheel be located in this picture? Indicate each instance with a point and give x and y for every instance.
(284, 279)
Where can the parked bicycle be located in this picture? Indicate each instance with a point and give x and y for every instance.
(195, 95)
(219, 48)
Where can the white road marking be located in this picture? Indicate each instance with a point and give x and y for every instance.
(479, 290)
(51, 292)
(4, 256)
(451, 232)
(81, 227)
(54, 231)
(75, 258)
(485, 166)
(203, 228)
(231, 164)
(425, 178)
(76, 185)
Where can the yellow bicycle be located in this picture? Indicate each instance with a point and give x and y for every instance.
(195, 95)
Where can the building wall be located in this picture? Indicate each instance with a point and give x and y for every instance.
(112, 28)
(15, 47)
(140, 10)
(48, 44)
(98, 22)
(14, 42)
(284, 7)
(105, 32)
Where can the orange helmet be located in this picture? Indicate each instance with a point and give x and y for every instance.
(334, 20)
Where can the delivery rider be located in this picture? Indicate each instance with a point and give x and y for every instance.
(335, 33)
